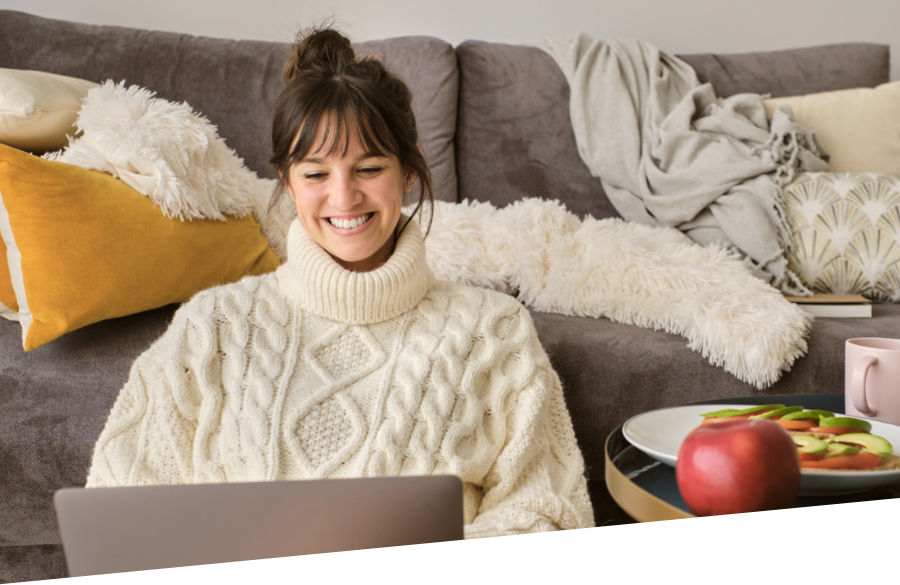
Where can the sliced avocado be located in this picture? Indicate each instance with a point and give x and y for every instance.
(871, 443)
(721, 413)
(836, 449)
(845, 422)
(807, 414)
(809, 443)
(739, 411)
(778, 412)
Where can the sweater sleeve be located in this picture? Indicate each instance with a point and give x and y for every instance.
(149, 433)
(537, 482)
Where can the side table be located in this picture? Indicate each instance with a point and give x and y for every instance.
(646, 488)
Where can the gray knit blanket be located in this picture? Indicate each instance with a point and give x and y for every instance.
(669, 152)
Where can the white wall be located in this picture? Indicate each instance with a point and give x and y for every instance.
(677, 26)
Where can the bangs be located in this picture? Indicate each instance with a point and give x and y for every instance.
(336, 126)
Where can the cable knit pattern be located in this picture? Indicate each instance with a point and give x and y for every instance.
(316, 371)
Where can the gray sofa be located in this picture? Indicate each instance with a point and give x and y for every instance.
(495, 127)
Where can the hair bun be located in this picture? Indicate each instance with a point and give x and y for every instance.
(322, 50)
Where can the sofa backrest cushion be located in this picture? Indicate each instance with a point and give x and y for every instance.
(234, 83)
(794, 71)
(514, 137)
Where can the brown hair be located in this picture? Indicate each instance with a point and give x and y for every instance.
(325, 83)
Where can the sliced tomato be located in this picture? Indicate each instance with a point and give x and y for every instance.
(797, 424)
(834, 430)
(809, 456)
(861, 460)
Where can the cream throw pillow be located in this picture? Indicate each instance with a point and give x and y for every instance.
(38, 109)
(846, 233)
(859, 128)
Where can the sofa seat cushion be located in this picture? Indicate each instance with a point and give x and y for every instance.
(54, 401)
(32, 563)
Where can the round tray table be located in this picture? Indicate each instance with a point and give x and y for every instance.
(646, 489)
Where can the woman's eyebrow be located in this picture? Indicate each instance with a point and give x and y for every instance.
(319, 160)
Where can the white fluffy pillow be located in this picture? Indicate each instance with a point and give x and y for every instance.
(38, 109)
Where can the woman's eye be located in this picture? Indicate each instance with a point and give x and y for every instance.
(314, 176)
(370, 170)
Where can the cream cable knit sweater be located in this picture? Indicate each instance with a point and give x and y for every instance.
(313, 371)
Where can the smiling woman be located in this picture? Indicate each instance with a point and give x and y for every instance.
(345, 148)
(351, 359)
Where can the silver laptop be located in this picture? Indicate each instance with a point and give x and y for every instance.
(108, 530)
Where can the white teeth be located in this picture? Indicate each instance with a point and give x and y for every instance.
(348, 224)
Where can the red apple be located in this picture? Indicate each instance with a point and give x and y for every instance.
(741, 465)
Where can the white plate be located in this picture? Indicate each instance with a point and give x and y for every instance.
(659, 433)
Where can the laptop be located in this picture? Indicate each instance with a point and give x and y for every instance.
(116, 529)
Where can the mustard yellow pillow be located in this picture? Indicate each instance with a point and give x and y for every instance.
(82, 246)
(38, 109)
(9, 308)
(859, 128)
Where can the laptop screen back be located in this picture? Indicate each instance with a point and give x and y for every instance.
(106, 530)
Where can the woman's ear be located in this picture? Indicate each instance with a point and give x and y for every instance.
(410, 178)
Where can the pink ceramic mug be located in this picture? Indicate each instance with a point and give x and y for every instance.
(872, 378)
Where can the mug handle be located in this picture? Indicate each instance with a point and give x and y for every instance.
(858, 386)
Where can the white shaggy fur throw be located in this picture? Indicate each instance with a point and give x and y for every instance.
(166, 151)
(630, 273)
(534, 249)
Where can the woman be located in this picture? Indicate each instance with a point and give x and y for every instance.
(350, 359)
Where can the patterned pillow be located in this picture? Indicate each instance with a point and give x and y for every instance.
(846, 233)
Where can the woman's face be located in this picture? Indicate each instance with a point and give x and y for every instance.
(349, 202)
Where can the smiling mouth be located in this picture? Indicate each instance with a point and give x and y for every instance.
(349, 224)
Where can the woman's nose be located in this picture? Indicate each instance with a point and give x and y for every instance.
(345, 193)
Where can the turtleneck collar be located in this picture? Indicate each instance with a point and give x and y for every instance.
(313, 279)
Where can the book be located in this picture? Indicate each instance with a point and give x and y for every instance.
(835, 305)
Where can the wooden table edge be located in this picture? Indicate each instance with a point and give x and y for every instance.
(637, 502)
